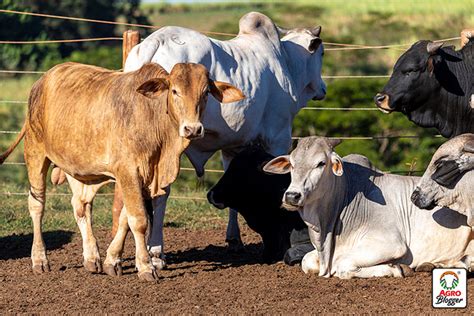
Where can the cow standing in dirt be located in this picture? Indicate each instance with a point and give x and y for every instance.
(277, 76)
(99, 126)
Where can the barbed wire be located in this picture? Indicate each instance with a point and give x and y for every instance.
(345, 46)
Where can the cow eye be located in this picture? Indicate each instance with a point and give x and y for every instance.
(174, 92)
(321, 164)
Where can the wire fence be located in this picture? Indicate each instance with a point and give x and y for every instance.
(343, 46)
(337, 47)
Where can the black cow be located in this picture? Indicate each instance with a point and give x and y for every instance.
(257, 196)
(433, 87)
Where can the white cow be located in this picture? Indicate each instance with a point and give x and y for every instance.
(278, 78)
(361, 221)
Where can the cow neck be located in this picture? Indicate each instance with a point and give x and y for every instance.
(449, 111)
(322, 216)
(297, 66)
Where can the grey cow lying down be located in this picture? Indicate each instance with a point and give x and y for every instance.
(448, 180)
(361, 221)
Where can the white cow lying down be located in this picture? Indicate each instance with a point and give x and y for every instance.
(277, 76)
(361, 221)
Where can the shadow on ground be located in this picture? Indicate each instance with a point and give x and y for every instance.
(19, 246)
(219, 255)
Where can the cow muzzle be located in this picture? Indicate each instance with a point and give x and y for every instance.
(293, 200)
(421, 201)
(191, 130)
(382, 102)
(210, 198)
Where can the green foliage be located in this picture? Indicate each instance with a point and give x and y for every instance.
(36, 56)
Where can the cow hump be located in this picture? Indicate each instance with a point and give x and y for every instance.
(258, 23)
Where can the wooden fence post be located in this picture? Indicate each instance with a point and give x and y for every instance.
(130, 39)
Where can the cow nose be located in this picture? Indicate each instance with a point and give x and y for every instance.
(292, 198)
(415, 196)
(379, 98)
(421, 201)
(212, 200)
(192, 131)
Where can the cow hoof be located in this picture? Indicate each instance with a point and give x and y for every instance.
(41, 267)
(425, 267)
(296, 253)
(158, 263)
(148, 276)
(234, 245)
(406, 271)
(93, 266)
(158, 259)
(113, 270)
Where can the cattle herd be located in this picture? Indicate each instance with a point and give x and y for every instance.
(336, 216)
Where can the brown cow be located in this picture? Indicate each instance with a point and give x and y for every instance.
(99, 126)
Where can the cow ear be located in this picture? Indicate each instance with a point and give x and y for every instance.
(336, 162)
(153, 88)
(225, 92)
(468, 147)
(432, 48)
(447, 173)
(278, 165)
(314, 44)
(316, 31)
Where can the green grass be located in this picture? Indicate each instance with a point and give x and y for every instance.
(371, 22)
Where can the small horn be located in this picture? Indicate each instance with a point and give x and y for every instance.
(432, 48)
(282, 30)
(316, 31)
(333, 142)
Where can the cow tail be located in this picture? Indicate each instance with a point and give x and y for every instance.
(12, 147)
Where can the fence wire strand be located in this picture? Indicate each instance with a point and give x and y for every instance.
(344, 46)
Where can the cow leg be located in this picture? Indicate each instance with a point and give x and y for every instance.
(113, 263)
(310, 262)
(117, 207)
(82, 199)
(138, 222)
(369, 260)
(232, 237)
(155, 240)
(37, 165)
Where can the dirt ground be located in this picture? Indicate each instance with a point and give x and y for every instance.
(202, 277)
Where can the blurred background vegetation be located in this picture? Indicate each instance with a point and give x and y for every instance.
(367, 22)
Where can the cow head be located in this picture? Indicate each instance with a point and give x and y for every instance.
(313, 165)
(415, 78)
(305, 49)
(448, 181)
(187, 87)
